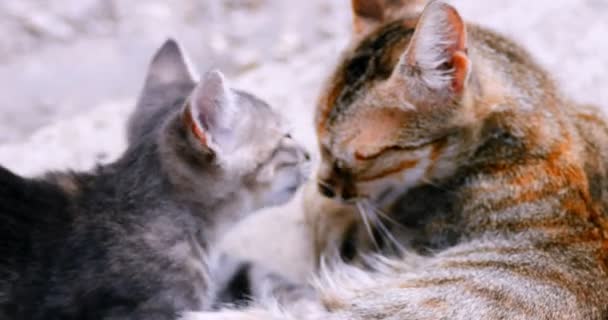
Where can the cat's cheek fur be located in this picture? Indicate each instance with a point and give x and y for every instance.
(385, 189)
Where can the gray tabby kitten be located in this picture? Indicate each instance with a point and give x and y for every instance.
(131, 240)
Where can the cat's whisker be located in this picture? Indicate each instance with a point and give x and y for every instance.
(385, 215)
(368, 227)
(384, 229)
(430, 182)
(321, 182)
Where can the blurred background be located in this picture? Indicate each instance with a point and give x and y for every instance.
(83, 61)
(70, 70)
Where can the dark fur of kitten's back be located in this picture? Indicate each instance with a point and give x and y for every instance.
(131, 239)
(78, 255)
(32, 213)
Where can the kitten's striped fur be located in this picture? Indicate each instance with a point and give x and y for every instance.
(136, 238)
(498, 182)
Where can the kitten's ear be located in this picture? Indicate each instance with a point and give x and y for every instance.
(369, 14)
(209, 112)
(170, 65)
(437, 54)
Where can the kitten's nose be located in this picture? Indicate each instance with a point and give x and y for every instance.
(306, 155)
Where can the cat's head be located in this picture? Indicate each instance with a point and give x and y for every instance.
(392, 115)
(217, 145)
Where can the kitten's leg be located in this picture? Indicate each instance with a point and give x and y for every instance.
(240, 282)
(230, 315)
(232, 282)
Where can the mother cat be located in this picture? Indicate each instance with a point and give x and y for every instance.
(498, 180)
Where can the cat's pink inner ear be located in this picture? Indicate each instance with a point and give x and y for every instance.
(460, 63)
(194, 127)
(209, 109)
(439, 47)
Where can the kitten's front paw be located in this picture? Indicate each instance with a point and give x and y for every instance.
(208, 316)
(227, 315)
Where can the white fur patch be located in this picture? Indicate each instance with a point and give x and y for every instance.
(413, 176)
(227, 315)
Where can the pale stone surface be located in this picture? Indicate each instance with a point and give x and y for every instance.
(71, 70)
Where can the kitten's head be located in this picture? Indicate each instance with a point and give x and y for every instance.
(218, 146)
(392, 115)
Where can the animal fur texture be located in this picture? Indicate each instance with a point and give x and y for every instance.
(482, 189)
(133, 239)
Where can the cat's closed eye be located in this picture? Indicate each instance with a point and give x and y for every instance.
(372, 156)
(359, 155)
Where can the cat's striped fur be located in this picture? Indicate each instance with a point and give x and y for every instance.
(498, 182)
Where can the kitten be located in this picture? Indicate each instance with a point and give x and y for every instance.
(496, 183)
(131, 239)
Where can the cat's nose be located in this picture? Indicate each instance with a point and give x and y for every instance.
(345, 195)
(348, 195)
(327, 190)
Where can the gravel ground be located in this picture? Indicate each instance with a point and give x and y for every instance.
(71, 69)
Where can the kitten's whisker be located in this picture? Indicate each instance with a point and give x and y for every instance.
(368, 226)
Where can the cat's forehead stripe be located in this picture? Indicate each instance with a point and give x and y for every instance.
(368, 62)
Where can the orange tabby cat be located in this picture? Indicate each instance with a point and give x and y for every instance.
(496, 182)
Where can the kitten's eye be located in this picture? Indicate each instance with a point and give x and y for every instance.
(288, 136)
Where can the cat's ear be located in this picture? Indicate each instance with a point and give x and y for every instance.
(210, 111)
(170, 65)
(437, 54)
(369, 14)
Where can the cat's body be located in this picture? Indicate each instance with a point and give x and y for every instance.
(132, 239)
(515, 132)
(494, 184)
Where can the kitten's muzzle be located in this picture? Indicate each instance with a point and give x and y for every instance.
(306, 155)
